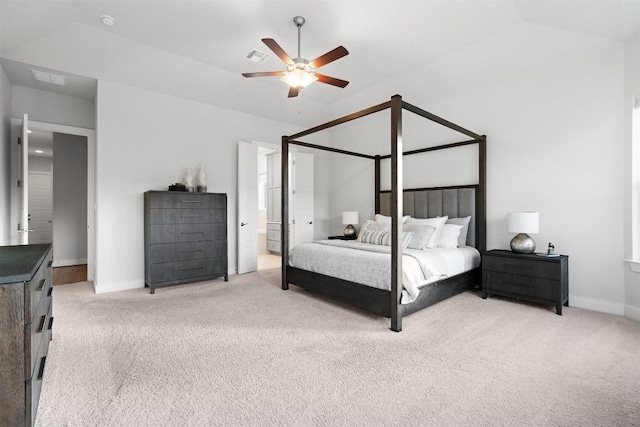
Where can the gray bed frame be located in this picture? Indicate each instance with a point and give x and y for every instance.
(454, 201)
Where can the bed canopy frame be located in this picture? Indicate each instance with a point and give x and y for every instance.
(381, 301)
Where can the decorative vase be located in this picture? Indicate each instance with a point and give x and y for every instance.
(202, 185)
(188, 180)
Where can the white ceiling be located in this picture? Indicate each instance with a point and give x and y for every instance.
(208, 41)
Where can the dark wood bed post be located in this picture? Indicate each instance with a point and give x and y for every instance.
(377, 183)
(481, 207)
(284, 209)
(396, 212)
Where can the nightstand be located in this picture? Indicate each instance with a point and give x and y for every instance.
(528, 277)
(342, 237)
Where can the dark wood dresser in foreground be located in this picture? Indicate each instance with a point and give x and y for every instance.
(185, 237)
(25, 330)
(529, 277)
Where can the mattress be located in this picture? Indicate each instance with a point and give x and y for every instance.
(370, 265)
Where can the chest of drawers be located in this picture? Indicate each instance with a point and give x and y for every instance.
(185, 237)
(529, 277)
(25, 330)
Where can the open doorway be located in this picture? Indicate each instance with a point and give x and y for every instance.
(268, 198)
(58, 201)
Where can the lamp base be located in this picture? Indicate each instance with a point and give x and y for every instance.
(350, 231)
(522, 243)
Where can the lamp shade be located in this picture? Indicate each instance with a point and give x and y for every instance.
(350, 218)
(522, 222)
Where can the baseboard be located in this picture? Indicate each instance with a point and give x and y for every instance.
(115, 287)
(68, 262)
(597, 305)
(632, 312)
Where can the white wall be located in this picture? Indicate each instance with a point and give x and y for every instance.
(555, 145)
(631, 90)
(5, 157)
(69, 199)
(145, 141)
(51, 107)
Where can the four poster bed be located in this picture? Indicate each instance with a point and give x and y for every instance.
(395, 298)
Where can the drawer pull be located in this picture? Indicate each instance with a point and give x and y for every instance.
(41, 325)
(41, 286)
(508, 282)
(43, 361)
(519, 266)
(50, 264)
(50, 291)
(190, 201)
(193, 232)
(50, 323)
(188, 252)
(191, 269)
(190, 216)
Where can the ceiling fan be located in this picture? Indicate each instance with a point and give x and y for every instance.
(301, 72)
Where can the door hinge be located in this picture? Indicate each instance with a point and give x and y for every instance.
(18, 183)
(19, 140)
(293, 221)
(293, 191)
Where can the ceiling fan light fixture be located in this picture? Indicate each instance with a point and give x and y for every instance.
(299, 78)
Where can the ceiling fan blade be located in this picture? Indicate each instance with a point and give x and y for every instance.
(330, 56)
(275, 47)
(331, 80)
(264, 74)
(293, 92)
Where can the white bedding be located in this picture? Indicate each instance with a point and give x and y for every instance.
(371, 264)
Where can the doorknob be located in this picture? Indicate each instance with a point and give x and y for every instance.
(242, 224)
(310, 222)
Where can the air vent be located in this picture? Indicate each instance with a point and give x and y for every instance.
(45, 77)
(257, 56)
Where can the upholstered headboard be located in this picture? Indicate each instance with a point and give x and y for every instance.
(455, 202)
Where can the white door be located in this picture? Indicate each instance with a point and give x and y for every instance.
(40, 207)
(302, 198)
(247, 207)
(23, 179)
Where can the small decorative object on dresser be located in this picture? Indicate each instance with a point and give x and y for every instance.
(202, 185)
(25, 329)
(185, 237)
(188, 181)
(530, 277)
(178, 186)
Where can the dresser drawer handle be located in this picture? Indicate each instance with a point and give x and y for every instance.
(191, 269)
(42, 282)
(190, 201)
(188, 252)
(519, 266)
(50, 291)
(43, 361)
(192, 232)
(50, 323)
(41, 325)
(508, 282)
(50, 264)
(191, 216)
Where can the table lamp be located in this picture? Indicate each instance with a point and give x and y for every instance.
(348, 219)
(523, 223)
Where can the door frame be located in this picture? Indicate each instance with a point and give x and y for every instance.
(91, 182)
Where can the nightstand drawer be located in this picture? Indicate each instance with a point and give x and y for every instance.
(524, 267)
(525, 286)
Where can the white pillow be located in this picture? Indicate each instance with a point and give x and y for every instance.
(422, 234)
(374, 226)
(383, 238)
(449, 236)
(436, 223)
(383, 219)
(464, 222)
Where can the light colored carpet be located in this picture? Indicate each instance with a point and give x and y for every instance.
(247, 353)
